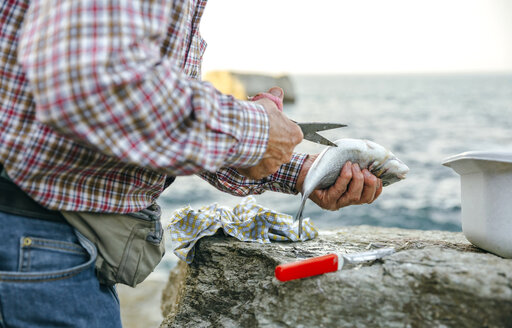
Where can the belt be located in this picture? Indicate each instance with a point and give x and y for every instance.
(15, 201)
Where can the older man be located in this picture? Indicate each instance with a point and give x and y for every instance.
(101, 106)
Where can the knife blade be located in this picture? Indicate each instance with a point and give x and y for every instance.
(310, 129)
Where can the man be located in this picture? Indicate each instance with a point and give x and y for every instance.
(101, 107)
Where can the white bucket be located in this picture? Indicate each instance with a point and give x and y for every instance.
(486, 198)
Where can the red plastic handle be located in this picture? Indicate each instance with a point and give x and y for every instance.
(307, 268)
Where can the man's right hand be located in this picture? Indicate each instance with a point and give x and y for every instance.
(283, 136)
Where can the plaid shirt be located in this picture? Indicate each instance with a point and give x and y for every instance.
(100, 102)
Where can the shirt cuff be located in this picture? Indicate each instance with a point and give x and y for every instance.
(252, 135)
(285, 179)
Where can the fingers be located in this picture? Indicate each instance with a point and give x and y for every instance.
(275, 94)
(353, 195)
(330, 198)
(278, 92)
(283, 136)
(364, 188)
(353, 186)
(370, 187)
(342, 183)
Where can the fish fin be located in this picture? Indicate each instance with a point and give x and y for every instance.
(298, 216)
(301, 208)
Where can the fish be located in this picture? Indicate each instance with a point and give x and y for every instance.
(327, 166)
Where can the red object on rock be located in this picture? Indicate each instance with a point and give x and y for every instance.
(307, 268)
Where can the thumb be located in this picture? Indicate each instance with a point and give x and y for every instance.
(277, 91)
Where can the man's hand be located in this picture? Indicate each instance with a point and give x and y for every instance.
(353, 186)
(283, 136)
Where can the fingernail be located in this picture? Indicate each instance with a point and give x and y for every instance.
(276, 92)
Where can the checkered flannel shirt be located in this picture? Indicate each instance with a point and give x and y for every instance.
(100, 102)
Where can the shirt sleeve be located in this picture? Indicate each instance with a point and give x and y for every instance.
(284, 180)
(98, 76)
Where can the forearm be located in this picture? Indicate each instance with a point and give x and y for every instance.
(284, 180)
(102, 81)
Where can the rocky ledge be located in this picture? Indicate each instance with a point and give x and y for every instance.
(435, 279)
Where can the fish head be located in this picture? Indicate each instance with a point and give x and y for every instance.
(392, 170)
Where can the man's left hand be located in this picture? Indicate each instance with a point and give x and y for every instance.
(353, 187)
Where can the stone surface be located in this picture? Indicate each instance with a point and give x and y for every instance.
(435, 279)
(242, 85)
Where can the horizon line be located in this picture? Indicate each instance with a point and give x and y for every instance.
(440, 72)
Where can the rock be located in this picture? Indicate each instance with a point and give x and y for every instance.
(435, 279)
(242, 85)
(255, 83)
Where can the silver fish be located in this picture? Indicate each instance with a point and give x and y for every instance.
(327, 167)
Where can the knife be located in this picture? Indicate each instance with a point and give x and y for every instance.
(309, 130)
(327, 263)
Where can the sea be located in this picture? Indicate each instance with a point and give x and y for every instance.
(421, 118)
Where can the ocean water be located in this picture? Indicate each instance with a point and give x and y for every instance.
(421, 118)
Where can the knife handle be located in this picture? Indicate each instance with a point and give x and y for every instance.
(307, 268)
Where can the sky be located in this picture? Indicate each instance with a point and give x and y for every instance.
(358, 36)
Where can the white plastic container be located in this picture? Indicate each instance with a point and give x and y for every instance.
(486, 198)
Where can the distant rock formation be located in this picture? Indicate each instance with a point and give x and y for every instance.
(435, 279)
(243, 85)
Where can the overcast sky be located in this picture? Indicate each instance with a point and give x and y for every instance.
(358, 36)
